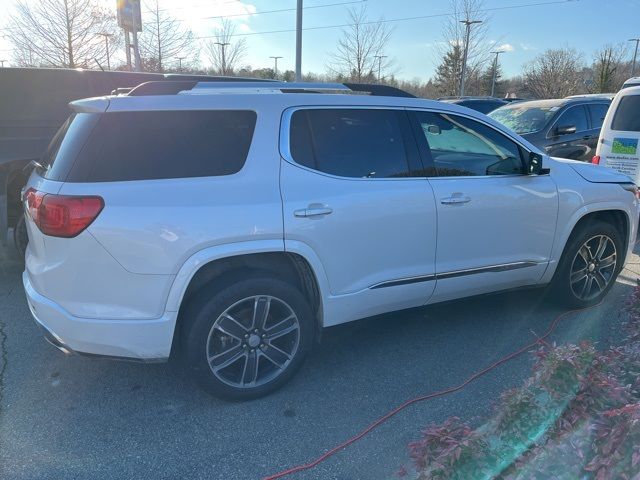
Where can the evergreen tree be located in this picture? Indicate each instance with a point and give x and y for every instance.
(447, 79)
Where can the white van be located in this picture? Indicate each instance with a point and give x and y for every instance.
(620, 135)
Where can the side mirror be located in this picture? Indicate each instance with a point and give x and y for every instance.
(434, 129)
(534, 164)
(565, 130)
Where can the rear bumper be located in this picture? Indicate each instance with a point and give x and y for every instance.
(140, 340)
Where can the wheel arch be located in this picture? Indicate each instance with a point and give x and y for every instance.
(211, 266)
(614, 213)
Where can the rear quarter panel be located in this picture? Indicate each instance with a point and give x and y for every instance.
(154, 226)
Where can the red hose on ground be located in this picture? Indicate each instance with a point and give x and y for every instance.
(429, 396)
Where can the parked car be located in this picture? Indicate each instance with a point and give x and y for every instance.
(230, 224)
(566, 128)
(480, 104)
(632, 82)
(618, 145)
(34, 105)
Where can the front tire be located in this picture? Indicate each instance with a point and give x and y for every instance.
(247, 339)
(590, 263)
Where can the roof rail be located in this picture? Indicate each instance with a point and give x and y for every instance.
(230, 84)
(173, 87)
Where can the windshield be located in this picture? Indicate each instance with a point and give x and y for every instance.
(524, 119)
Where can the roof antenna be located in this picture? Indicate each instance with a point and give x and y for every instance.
(96, 60)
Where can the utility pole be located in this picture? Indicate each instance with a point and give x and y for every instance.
(106, 44)
(468, 24)
(136, 49)
(275, 68)
(223, 45)
(380, 57)
(180, 63)
(127, 48)
(299, 42)
(635, 55)
(495, 71)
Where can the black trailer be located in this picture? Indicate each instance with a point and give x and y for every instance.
(33, 105)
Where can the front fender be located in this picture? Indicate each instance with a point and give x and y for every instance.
(569, 225)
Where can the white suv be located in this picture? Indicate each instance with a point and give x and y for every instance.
(236, 221)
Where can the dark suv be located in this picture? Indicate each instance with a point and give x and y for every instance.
(567, 127)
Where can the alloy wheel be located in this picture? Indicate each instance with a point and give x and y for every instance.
(593, 267)
(253, 341)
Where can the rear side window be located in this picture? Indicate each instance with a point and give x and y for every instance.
(357, 143)
(597, 111)
(165, 144)
(65, 145)
(627, 117)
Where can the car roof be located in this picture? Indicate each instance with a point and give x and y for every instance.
(557, 102)
(632, 81)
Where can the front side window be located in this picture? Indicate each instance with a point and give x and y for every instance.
(573, 117)
(627, 118)
(463, 147)
(356, 143)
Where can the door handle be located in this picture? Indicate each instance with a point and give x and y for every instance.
(455, 200)
(312, 211)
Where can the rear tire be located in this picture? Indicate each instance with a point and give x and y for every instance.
(247, 339)
(20, 237)
(590, 263)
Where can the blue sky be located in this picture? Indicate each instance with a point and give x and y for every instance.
(583, 24)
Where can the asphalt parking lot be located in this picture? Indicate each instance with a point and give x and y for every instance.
(77, 417)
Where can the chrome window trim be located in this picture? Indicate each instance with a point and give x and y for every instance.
(488, 125)
(284, 143)
(501, 267)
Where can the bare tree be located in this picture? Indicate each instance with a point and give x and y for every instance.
(225, 52)
(360, 54)
(164, 40)
(451, 50)
(556, 73)
(609, 68)
(61, 33)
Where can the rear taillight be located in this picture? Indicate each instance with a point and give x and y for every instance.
(596, 160)
(62, 215)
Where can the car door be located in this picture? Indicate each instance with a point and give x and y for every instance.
(495, 223)
(349, 195)
(569, 135)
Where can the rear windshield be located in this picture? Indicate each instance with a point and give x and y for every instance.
(524, 119)
(125, 146)
(627, 117)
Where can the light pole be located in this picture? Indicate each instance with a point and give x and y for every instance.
(299, 42)
(223, 45)
(380, 57)
(2, 62)
(180, 63)
(106, 44)
(635, 55)
(275, 67)
(495, 71)
(468, 24)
